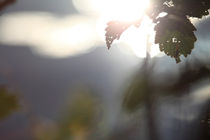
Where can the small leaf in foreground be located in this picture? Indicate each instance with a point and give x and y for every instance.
(114, 31)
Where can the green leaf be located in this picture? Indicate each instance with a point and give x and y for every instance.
(175, 36)
(174, 32)
(114, 31)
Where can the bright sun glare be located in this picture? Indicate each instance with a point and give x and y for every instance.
(75, 34)
(115, 9)
(123, 10)
(120, 9)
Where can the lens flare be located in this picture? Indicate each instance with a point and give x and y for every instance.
(122, 10)
(114, 9)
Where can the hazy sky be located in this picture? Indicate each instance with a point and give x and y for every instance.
(57, 7)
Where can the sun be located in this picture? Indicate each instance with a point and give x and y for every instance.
(126, 10)
(122, 10)
(115, 9)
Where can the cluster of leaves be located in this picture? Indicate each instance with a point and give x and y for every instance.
(81, 116)
(174, 31)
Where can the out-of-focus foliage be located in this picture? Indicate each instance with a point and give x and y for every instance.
(142, 86)
(80, 118)
(174, 32)
(8, 103)
(145, 91)
(205, 124)
(188, 76)
(135, 95)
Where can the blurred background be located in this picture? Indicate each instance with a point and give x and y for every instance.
(58, 80)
